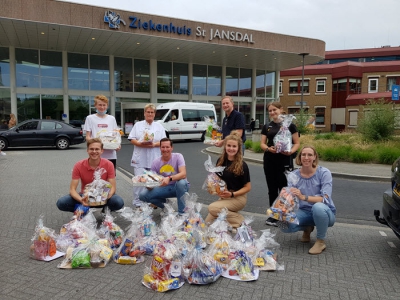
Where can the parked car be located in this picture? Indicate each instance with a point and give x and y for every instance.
(76, 123)
(41, 132)
(391, 202)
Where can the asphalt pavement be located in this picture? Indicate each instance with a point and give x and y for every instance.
(360, 262)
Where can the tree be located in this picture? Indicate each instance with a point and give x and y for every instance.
(377, 121)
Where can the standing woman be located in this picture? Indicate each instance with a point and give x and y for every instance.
(144, 153)
(275, 163)
(237, 178)
(99, 121)
(13, 121)
(314, 190)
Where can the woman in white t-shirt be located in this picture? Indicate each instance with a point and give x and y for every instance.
(99, 121)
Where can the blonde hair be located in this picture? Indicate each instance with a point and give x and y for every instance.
(227, 97)
(151, 106)
(101, 98)
(92, 141)
(298, 157)
(237, 165)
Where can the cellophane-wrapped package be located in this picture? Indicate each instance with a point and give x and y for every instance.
(110, 230)
(97, 191)
(268, 253)
(286, 205)
(147, 179)
(283, 139)
(110, 139)
(147, 137)
(213, 183)
(43, 241)
(213, 132)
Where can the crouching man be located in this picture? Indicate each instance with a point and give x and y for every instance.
(84, 170)
(172, 166)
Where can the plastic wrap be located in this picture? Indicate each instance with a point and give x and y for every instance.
(283, 139)
(110, 139)
(147, 137)
(110, 230)
(147, 179)
(213, 133)
(268, 252)
(43, 242)
(97, 191)
(213, 183)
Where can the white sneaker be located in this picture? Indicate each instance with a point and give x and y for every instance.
(2, 153)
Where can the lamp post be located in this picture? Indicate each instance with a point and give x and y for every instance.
(302, 81)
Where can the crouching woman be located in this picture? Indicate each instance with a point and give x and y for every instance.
(314, 191)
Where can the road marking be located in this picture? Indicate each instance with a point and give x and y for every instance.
(382, 233)
(391, 244)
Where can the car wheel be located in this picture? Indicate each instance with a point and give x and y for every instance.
(203, 136)
(3, 144)
(62, 143)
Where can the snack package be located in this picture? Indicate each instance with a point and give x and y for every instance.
(110, 230)
(43, 242)
(241, 267)
(245, 233)
(286, 205)
(81, 211)
(147, 137)
(213, 133)
(219, 226)
(110, 139)
(283, 139)
(213, 183)
(199, 267)
(147, 179)
(97, 191)
(266, 258)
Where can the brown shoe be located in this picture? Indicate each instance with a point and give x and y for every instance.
(318, 247)
(153, 206)
(306, 234)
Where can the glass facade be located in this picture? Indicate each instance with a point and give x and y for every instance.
(123, 74)
(4, 67)
(27, 68)
(5, 104)
(245, 82)
(52, 107)
(51, 69)
(78, 107)
(28, 107)
(78, 71)
(232, 82)
(99, 74)
(180, 78)
(199, 79)
(141, 69)
(164, 77)
(214, 78)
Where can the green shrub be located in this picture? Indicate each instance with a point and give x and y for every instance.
(257, 148)
(359, 156)
(387, 155)
(326, 136)
(248, 144)
(335, 153)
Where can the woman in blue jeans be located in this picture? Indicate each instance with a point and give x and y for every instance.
(314, 190)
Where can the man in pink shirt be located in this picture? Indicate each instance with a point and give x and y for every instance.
(84, 171)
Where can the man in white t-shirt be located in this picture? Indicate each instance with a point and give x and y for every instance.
(145, 136)
(101, 121)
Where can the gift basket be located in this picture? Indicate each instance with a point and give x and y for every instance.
(283, 139)
(213, 133)
(286, 205)
(147, 179)
(199, 267)
(97, 191)
(110, 230)
(43, 244)
(110, 139)
(147, 137)
(213, 183)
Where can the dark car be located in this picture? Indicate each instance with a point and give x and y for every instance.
(38, 132)
(76, 123)
(391, 202)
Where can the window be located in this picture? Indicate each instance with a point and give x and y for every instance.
(295, 87)
(392, 81)
(214, 81)
(245, 82)
(99, 73)
(46, 125)
(321, 86)
(260, 83)
(320, 116)
(141, 75)
(192, 115)
(29, 126)
(78, 71)
(353, 116)
(180, 78)
(27, 68)
(232, 81)
(123, 75)
(5, 67)
(50, 69)
(164, 77)
(373, 85)
(355, 85)
(199, 79)
(280, 87)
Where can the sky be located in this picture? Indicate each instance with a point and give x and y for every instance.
(341, 24)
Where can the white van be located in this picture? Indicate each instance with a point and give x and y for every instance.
(185, 120)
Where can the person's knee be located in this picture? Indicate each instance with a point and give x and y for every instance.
(319, 209)
(214, 209)
(182, 185)
(143, 195)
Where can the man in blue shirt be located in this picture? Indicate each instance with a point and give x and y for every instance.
(233, 120)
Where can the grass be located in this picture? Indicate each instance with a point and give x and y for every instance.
(349, 147)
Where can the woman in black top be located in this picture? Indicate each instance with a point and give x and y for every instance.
(237, 178)
(275, 163)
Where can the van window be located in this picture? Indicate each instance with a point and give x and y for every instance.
(174, 114)
(193, 115)
(160, 113)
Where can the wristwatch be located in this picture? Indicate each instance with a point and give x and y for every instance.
(266, 150)
(306, 198)
(232, 195)
(170, 178)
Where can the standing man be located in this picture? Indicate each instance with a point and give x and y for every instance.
(252, 125)
(84, 170)
(145, 152)
(172, 166)
(233, 120)
(99, 121)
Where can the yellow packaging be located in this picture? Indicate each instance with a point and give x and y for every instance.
(106, 253)
(126, 260)
(164, 285)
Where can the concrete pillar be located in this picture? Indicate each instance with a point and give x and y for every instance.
(65, 85)
(111, 104)
(153, 81)
(253, 93)
(13, 82)
(190, 82)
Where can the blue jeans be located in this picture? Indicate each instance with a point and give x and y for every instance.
(320, 216)
(67, 203)
(158, 195)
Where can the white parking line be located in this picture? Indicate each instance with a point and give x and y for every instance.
(391, 244)
(382, 233)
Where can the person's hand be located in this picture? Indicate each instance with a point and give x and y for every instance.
(85, 200)
(297, 193)
(219, 143)
(119, 148)
(225, 194)
(165, 181)
(272, 149)
(287, 153)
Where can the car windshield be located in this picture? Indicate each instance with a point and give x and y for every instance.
(160, 113)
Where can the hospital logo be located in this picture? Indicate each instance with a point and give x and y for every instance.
(113, 19)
